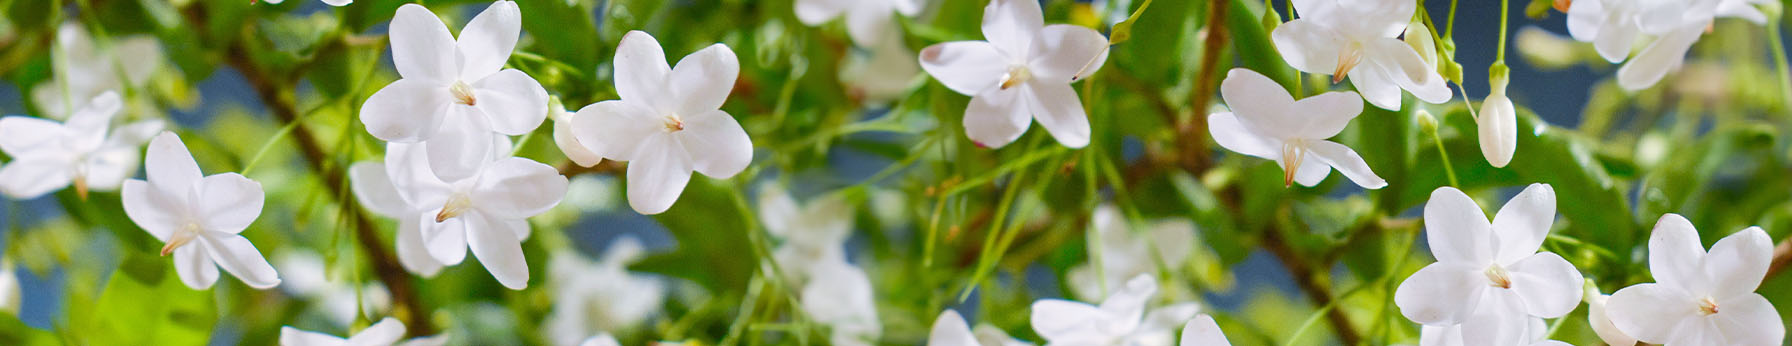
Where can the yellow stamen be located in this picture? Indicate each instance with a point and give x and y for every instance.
(1016, 75)
(1347, 61)
(181, 237)
(457, 205)
(674, 123)
(1498, 277)
(81, 187)
(1707, 307)
(1292, 155)
(463, 93)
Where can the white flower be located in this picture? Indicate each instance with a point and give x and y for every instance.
(486, 211)
(307, 276)
(813, 234)
(387, 332)
(1267, 122)
(568, 143)
(883, 74)
(86, 68)
(1611, 25)
(951, 330)
(867, 21)
(1203, 331)
(1022, 73)
(1451, 335)
(1676, 25)
(1700, 298)
(1602, 322)
(374, 190)
(1119, 320)
(48, 156)
(337, 3)
(839, 295)
(1498, 126)
(602, 295)
(603, 339)
(1490, 277)
(200, 217)
(453, 93)
(669, 121)
(1358, 39)
(1126, 254)
(9, 288)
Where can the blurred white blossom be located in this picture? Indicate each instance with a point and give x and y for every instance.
(592, 297)
(1126, 253)
(840, 296)
(867, 21)
(812, 234)
(1121, 319)
(48, 156)
(950, 329)
(86, 68)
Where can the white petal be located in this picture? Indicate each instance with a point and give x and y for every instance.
(408, 166)
(21, 134)
(446, 240)
(1375, 85)
(461, 146)
(641, 71)
(338, 3)
(997, 117)
(569, 144)
(487, 41)
(1405, 68)
(413, 254)
(1739, 262)
(1498, 128)
(516, 188)
(141, 56)
(602, 339)
(779, 211)
(1310, 173)
(1062, 321)
(195, 267)
(1260, 103)
(1661, 57)
(290, 336)
(1202, 331)
(1456, 230)
(1441, 293)
(1677, 257)
(1749, 319)
(229, 202)
(87, 126)
(494, 242)
(1347, 162)
(422, 48)
(816, 12)
(1741, 9)
(1062, 50)
(659, 176)
(236, 255)
(513, 102)
(374, 189)
(1011, 25)
(1499, 320)
(868, 24)
(133, 135)
(967, 67)
(151, 209)
(703, 79)
(1233, 135)
(1602, 324)
(408, 110)
(1308, 46)
(1616, 38)
(32, 177)
(1586, 19)
(169, 166)
(1060, 112)
(1548, 284)
(951, 330)
(386, 332)
(1523, 222)
(717, 145)
(1643, 311)
(1128, 302)
(108, 168)
(1321, 116)
(617, 129)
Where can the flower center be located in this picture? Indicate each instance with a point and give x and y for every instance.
(1293, 152)
(463, 93)
(1347, 60)
(1497, 276)
(1016, 75)
(457, 204)
(1707, 307)
(674, 123)
(181, 237)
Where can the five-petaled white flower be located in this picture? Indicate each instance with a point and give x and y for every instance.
(603, 295)
(1126, 254)
(306, 276)
(867, 21)
(337, 3)
(1498, 126)
(1613, 27)
(813, 234)
(1358, 39)
(199, 217)
(840, 295)
(1119, 320)
(1022, 73)
(388, 331)
(669, 121)
(1267, 122)
(455, 93)
(950, 329)
(48, 156)
(486, 211)
(1700, 298)
(1489, 277)
(85, 68)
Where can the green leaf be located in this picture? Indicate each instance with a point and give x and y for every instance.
(713, 248)
(1255, 50)
(145, 303)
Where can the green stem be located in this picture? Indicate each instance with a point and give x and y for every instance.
(986, 259)
(1444, 156)
(1450, 30)
(268, 145)
(1500, 58)
(1779, 60)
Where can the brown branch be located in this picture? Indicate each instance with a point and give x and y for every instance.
(1782, 257)
(1312, 283)
(1192, 132)
(570, 169)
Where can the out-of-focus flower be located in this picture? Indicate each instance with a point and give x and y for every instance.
(1119, 320)
(1498, 125)
(1600, 321)
(307, 276)
(1267, 122)
(199, 217)
(1359, 40)
(1020, 74)
(337, 3)
(669, 121)
(950, 329)
(86, 68)
(602, 339)
(1610, 25)
(48, 156)
(1126, 254)
(387, 332)
(1203, 331)
(813, 234)
(1451, 335)
(884, 73)
(595, 297)
(1675, 24)
(9, 288)
(455, 93)
(486, 212)
(1489, 277)
(1700, 298)
(840, 296)
(867, 21)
